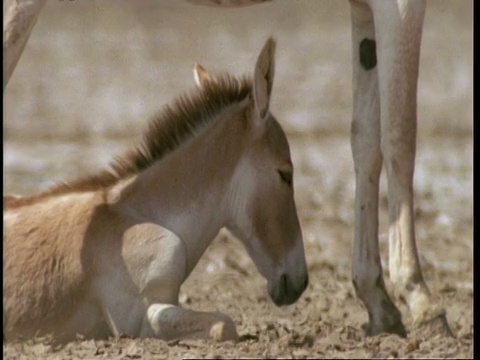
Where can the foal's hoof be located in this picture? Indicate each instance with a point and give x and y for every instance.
(375, 329)
(433, 327)
(224, 330)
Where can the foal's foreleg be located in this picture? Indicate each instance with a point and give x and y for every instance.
(170, 322)
(398, 31)
(365, 142)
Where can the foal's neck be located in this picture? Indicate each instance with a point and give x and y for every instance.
(185, 192)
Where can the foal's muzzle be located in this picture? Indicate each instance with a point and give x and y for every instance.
(285, 291)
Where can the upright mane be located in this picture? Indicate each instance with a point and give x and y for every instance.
(168, 129)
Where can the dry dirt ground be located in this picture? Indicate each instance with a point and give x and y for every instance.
(90, 75)
(326, 321)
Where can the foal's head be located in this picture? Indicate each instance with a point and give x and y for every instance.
(263, 213)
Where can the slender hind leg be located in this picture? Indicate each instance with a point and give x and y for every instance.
(170, 322)
(365, 142)
(398, 29)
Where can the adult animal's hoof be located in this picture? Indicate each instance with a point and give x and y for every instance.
(437, 325)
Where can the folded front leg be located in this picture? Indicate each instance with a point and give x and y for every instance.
(170, 322)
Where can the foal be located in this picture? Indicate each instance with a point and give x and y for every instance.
(107, 254)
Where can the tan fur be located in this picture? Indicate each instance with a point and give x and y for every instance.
(46, 270)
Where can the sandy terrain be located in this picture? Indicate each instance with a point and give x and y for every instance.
(93, 73)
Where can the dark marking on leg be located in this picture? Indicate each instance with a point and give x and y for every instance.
(368, 54)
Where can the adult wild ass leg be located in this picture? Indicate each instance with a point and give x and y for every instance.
(20, 18)
(384, 129)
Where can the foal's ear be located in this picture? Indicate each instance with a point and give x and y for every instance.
(263, 77)
(201, 75)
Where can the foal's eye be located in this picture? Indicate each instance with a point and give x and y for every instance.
(286, 176)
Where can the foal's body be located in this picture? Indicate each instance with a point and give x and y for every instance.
(106, 255)
(97, 268)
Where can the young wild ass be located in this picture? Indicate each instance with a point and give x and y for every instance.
(107, 254)
(386, 37)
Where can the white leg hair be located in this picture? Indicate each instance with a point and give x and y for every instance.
(170, 322)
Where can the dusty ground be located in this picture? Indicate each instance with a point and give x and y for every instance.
(94, 72)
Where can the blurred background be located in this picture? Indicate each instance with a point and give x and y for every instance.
(95, 71)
